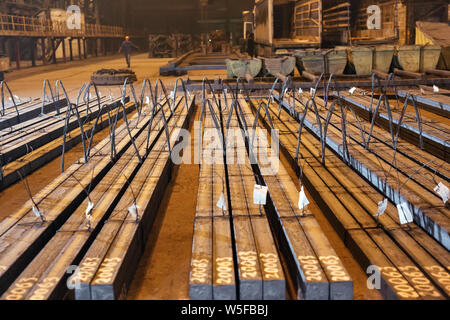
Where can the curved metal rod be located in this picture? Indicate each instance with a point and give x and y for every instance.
(255, 122)
(100, 114)
(88, 94)
(183, 85)
(124, 93)
(152, 116)
(147, 83)
(70, 105)
(158, 82)
(205, 82)
(4, 84)
(281, 95)
(44, 87)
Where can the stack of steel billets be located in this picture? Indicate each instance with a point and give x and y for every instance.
(411, 264)
(427, 98)
(316, 269)
(398, 179)
(260, 275)
(40, 140)
(26, 241)
(433, 128)
(28, 111)
(212, 272)
(106, 270)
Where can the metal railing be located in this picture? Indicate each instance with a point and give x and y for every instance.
(11, 25)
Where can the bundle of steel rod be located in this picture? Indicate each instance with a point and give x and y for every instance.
(411, 264)
(406, 182)
(65, 207)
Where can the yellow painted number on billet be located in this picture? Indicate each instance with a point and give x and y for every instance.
(87, 269)
(21, 288)
(399, 284)
(224, 269)
(247, 264)
(336, 270)
(270, 265)
(421, 283)
(310, 265)
(199, 270)
(44, 288)
(106, 270)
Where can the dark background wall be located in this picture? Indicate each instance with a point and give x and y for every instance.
(169, 16)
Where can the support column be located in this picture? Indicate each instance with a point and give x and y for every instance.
(63, 43)
(44, 52)
(71, 49)
(105, 51)
(79, 49)
(85, 49)
(17, 52)
(53, 50)
(33, 52)
(96, 47)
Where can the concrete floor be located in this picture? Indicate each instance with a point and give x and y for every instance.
(164, 269)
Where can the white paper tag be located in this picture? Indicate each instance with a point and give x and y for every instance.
(302, 200)
(133, 210)
(443, 191)
(88, 212)
(285, 91)
(172, 95)
(382, 206)
(312, 91)
(36, 212)
(300, 91)
(16, 97)
(435, 89)
(352, 90)
(260, 194)
(422, 91)
(225, 91)
(123, 101)
(111, 97)
(221, 203)
(404, 213)
(147, 100)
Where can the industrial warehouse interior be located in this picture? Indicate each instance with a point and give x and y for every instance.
(200, 150)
